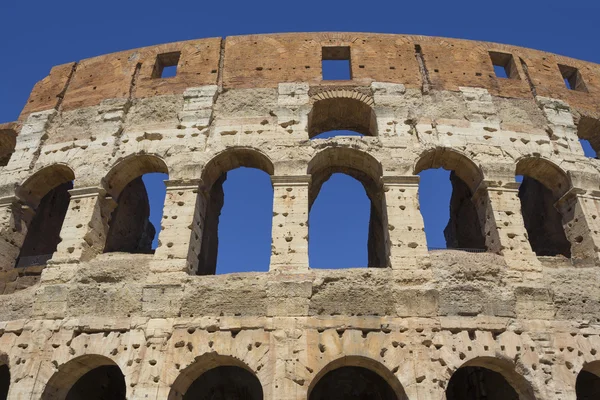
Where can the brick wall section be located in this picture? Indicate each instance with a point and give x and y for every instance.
(266, 60)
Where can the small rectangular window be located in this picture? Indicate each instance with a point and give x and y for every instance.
(504, 65)
(572, 77)
(166, 65)
(336, 63)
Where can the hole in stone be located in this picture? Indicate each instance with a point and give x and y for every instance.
(336, 63)
(166, 65)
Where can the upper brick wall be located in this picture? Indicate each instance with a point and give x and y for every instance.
(266, 60)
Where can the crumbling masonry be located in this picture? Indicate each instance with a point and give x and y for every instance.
(89, 311)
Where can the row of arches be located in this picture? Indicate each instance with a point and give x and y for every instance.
(212, 377)
(130, 230)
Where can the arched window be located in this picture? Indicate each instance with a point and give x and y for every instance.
(4, 381)
(89, 377)
(448, 182)
(216, 377)
(136, 185)
(47, 193)
(490, 379)
(587, 385)
(355, 378)
(542, 184)
(235, 211)
(345, 170)
(333, 111)
(588, 131)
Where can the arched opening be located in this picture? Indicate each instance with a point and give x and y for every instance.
(338, 133)
(216, 377)
(47, 193)
(487, 378)
(448, 181)
(588, 131)
(236, 208)
(587, 385)
(355, 378)
(136, 184)
(344, 170)
(4, 381)
(342, 114)
(8, 141)
(542, 184)
(89, 377)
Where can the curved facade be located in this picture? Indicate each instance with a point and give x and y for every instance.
(87, 309)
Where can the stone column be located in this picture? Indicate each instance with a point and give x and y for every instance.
(580, 211)
(499, 209)
(406, 230)
(14, 219)
(84, 229)
(181, 228)
(289, 241)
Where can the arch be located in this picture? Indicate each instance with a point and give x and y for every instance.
(497, 377)
(211, 201)
(546, 172)
(356, 369)
(587, 385)
(451, 160)
(232, 158)
(42, 181)
(4, 377)
(544, 183)
(342, 110)
(368, 171)
(588, 128)
(88, 377)
(464, 227)
(213, 372)
(129, 168)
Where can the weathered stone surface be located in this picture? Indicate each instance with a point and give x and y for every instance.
(101, 317)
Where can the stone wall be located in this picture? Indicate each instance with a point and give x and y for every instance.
(102, 317)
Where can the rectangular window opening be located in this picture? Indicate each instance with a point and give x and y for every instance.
(166, 65)
(572, 78)
(504, 65)
(336, 65)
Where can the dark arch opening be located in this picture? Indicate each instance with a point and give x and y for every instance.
(102, 383)
(225, 382)
(352, 383)
(478, 383)
(341, 114)
(367, 171)
(446, 188)
(542, 184)
(43, 231)
(246, 184)
(4, 381)
(587, 385)
(238, 221)
(131, 226)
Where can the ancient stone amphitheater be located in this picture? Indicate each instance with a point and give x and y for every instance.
(88, 311)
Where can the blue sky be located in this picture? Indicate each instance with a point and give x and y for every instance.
(36, 35)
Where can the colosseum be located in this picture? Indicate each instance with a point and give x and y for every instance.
(88, 311)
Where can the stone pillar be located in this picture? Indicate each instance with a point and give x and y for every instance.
(84, 229)
(406, 230)
(181, 228)
(580, 215)
(289, 240)
(499, 209)
(14, 219)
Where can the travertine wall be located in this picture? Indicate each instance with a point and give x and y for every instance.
(413, 319)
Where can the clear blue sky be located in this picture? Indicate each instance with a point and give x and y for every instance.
(35, 35)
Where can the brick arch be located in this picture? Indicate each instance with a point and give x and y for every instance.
(507, 369)
(42, 181)
(202, 365)
(546, 172)
(361, 362)
(129, 168)
(453, 160)
(341, 109)
(68, 374)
